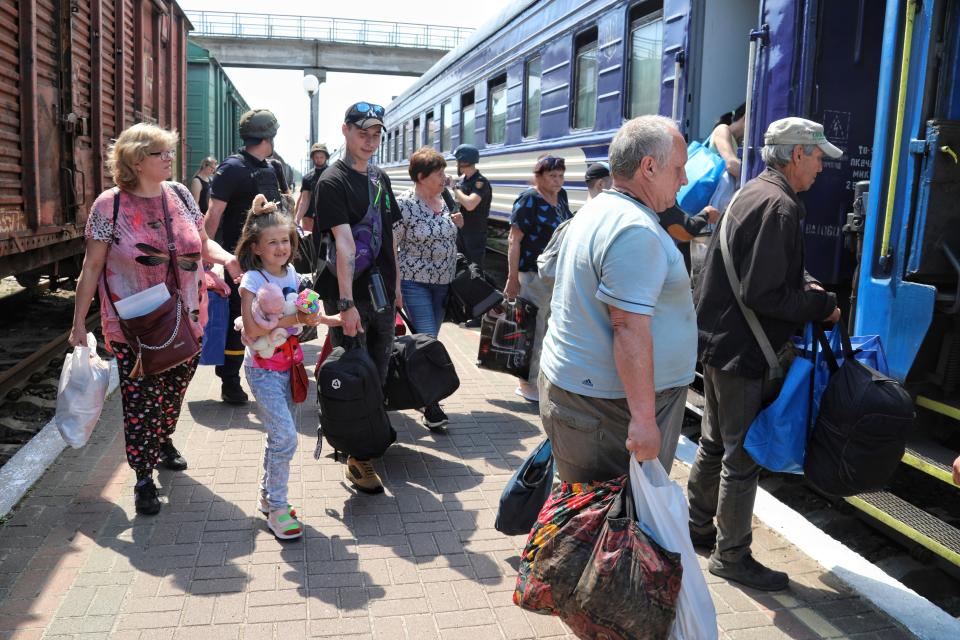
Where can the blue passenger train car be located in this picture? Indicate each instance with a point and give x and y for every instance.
(562, 76)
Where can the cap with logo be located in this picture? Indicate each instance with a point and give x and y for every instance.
(596, 171)
(319, 146)
(258, 123)
(467, 154)
(800, 131)
(364, 115)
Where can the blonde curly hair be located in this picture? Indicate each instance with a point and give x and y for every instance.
(132, 146)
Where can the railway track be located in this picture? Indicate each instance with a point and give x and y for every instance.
(33, 341)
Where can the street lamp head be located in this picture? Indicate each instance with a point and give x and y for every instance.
(310, 84)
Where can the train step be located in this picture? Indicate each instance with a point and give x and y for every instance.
(931, 458)
(915, 524)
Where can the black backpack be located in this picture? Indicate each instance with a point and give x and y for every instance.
(472, 292)
(352, 418)
(421, 372)
(861, 430)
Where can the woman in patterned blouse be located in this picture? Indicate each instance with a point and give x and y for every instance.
(426, 240)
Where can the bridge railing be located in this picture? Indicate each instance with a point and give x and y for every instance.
(344, 30)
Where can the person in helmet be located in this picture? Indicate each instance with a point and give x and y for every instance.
(474, 195)
(238, 179)
(305, 207)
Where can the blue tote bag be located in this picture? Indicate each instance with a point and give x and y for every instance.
(526, 492)
(704, 170)
(777, 437)
(215, 332)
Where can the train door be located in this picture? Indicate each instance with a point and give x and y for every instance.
(820, 60)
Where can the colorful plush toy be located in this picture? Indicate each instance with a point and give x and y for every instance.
(308, 301)
(268, 307)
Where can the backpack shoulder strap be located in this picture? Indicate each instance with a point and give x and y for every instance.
(773, 364)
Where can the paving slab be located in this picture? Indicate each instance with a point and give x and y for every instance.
(420, 561)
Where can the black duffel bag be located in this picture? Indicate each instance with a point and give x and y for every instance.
(472, 292)
(352, 417)
(861, 430)
(421, 372)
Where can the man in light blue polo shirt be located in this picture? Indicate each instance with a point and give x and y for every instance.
(622, 342)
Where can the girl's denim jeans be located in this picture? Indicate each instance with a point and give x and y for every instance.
(274, 406)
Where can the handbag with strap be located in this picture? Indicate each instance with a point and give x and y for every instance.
(161, 339)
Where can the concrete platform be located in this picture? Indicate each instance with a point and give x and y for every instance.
(421, 561)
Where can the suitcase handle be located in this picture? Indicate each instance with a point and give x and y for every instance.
(407, 320)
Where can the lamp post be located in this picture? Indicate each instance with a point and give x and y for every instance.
(311, 84)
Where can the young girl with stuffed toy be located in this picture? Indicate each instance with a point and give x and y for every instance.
(265, 251)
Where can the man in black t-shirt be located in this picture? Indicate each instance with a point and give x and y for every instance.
(342, 201)
(305, 211)
(238, 179)
(474, 195)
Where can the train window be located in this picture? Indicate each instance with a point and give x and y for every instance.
(497, 110)
(430, 129)
(585, 80)
(389, 148)
(416, 144)
(646, 50)
(531, 102)
(403, 142)
(396, 145)
(446, 126)
(467, 123)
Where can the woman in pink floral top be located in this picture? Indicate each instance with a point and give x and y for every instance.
(132, 255)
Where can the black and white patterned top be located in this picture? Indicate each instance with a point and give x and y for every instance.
(426, 241)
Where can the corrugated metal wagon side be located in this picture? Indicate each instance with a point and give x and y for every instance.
(72, 76)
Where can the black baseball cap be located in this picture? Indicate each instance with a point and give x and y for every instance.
(364, 115)
(596, 171)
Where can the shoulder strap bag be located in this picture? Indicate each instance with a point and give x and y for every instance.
(161, 339)
(774, 370)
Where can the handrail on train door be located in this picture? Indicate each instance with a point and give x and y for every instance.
(763, 35)
(677, 68)
(898, 131)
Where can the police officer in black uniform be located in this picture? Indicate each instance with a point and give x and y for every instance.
(238, 179)
(474, 195)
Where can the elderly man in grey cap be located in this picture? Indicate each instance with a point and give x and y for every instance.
(765, 242)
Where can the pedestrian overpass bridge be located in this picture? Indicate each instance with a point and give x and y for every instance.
(327, 44)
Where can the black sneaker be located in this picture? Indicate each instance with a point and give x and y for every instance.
(145, 498)
(748, 572)
(434, 418)
(703, 541)
(171, 458)
(232, 393)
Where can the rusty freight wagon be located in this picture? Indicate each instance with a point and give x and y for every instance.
(73, 74)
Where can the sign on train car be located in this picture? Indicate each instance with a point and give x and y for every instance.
(74, 76)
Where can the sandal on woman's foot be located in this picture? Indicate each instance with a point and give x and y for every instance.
(265, 508)
(283, 525)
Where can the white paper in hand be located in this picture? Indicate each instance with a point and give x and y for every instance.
(662, 508)
(83, 388)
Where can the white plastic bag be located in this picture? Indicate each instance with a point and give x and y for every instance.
(83, 388)
(662, 508)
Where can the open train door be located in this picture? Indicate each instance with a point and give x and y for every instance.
(675, 68)
(819, 60)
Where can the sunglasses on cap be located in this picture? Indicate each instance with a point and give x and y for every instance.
(362, 110)
(550, 163)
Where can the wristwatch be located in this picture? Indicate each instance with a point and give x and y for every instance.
(344, 303)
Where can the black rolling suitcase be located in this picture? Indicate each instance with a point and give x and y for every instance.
(421, 372)
(472, 292)
(861, 430)
(352, 417)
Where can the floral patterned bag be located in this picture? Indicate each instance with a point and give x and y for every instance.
(587, 555)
